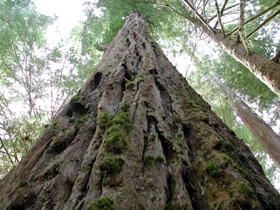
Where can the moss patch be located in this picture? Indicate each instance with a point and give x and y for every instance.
(129, 85)
(104, 119)
(229, 161)
(122, 118)
(115, 141)
(22, 183)
(75, 98)
(80, 121)
(112, 165)
(104, 203)
(223, 145)
(241, 193)
(100, 94)
(125, 106)
(150, 160)
(171, 206)
(141, 80)
(180, 144)
(177, 119)
(212, 169)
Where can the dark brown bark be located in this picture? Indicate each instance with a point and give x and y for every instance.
(172, 150)
(261, 131)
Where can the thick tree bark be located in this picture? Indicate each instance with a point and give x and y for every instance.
(137, 137)
(262, 132)
(268, 71)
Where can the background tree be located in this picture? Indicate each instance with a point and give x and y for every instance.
(35, 79)
(261, 131)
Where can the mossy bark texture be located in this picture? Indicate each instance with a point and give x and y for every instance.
(170, 150)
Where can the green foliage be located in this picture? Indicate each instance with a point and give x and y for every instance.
(104, 203)
(212, 169)
(223, 145)
(180, 144)
(112, 165)
(171, 206)
(122, 118)
(125, 106)
(179, 135)
(129, 85)
(141, 80)
(245, 189)
(22, 183)
(150, 160)
(160, 159)
(81, 120)
(75, 98)
(241, 188)
(115, 141)
(177, 119)
(34, 76)
(104, 119)
(100, 94)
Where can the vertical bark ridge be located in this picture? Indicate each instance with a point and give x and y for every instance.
(138, 134)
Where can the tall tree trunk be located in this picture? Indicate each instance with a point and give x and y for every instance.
(262, 132)
(137, 136)
(268, 71)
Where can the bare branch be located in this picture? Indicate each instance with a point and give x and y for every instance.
(7, 152)
(263, 23)
(241, 26)
(166, 6)
(222, 11)
(199, 16)
(219, 17)
(256, 16)
(210, 19)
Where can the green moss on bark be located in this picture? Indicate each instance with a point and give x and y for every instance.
(104, 203)
(212, 169)
(112, 165)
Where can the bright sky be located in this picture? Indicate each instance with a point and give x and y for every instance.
(69, 14)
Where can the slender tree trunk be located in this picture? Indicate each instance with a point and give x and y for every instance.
(262, 132)
(268, 71)
(137, 136)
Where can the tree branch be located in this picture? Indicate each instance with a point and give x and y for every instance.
(219, 17)
(256, 16)
(166, 6)
(7, 152)
(241, 26)
(263, 23)
(221, 13)
(199, 16)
